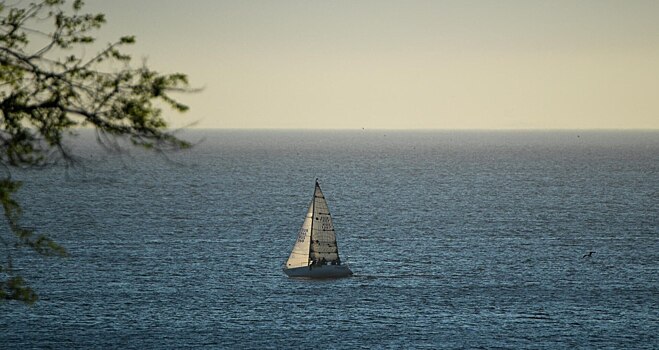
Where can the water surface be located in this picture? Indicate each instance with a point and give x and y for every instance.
(457, 239)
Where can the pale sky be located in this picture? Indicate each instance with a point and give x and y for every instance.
(464, 64)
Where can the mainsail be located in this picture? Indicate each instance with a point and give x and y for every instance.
(316, 241)
(323, 238)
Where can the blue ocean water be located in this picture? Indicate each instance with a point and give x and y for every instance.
(457, 240)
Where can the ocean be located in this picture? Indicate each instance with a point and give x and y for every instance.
(458, 240)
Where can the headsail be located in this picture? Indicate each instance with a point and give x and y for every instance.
(300, 254)
(323, 238)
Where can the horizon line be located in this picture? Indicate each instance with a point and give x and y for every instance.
(424, 130)
(400, 129)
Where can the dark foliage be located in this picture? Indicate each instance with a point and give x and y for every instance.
(47, 90)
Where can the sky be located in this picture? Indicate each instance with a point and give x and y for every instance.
(465, 64)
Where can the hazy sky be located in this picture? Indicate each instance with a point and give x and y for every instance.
(403, 64)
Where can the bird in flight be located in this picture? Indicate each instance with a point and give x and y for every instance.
(588, 255)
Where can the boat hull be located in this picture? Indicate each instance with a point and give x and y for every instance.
(323, 271)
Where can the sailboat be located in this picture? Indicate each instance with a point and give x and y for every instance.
(316, 254)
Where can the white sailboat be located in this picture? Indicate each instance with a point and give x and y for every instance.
(316, 254)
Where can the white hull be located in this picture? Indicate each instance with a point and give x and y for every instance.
(323, 271)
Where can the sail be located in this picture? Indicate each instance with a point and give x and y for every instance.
(300, 254)
(323, 238)
(315, 254)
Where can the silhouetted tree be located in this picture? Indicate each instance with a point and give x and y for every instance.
(47, 90)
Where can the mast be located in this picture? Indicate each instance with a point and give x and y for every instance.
(313, 214)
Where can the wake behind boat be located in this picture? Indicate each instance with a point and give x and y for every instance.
(316, 254)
